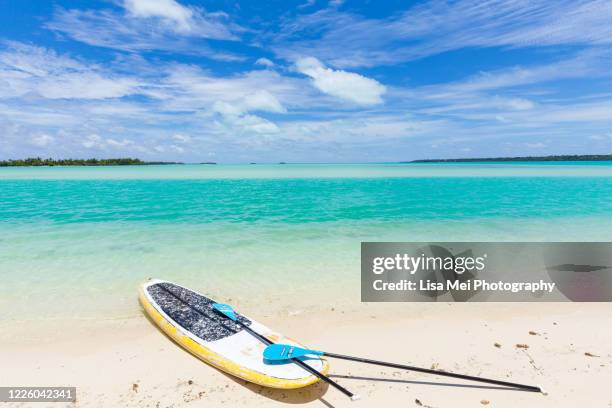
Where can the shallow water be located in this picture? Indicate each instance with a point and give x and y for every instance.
(276, 171)
(76, 242)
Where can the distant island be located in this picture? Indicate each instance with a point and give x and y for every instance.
(578, 157)
(37, 161)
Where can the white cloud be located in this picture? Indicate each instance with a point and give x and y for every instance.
(189, 87)
(236, 119)
(233, 121)
(58, 93)
(42, 140)
(177, 149)
(598, 111)
(256, 124)
(263, 101)
(264, 62)
(345, 85)
(169, 148)
(181, 138)
(226, 109)
(520, 104)
(358, 128)
(348, 40)
(586, 64)
(166, 9)
(117, 143)
(26, 69)
(306, 4)
(85, 85)
(148, 25)
(92, 141)
(29, 70)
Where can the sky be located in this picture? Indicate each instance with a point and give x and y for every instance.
(304, 81)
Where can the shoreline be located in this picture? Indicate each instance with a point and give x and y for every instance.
(142, 367)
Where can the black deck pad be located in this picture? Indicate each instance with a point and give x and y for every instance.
(194, 312)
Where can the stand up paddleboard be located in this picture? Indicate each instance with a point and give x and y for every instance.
(189, 319)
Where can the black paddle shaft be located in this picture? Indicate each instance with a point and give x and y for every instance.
(301, 363)
(436, 372)
(267, 341)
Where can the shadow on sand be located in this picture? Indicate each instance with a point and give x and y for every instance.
(296, 396)
(438, 384)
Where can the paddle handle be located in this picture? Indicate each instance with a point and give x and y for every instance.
(436, 372)
(302, 364)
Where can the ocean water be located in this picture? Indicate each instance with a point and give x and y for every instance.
(76, 242)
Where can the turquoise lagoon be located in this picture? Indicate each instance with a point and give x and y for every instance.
(75, 242)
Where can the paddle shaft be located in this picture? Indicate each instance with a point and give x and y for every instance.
(299, 362)
(436, 372)
(264, 339)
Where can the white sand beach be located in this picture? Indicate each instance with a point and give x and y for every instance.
(129, 362)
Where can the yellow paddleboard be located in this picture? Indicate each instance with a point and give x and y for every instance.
(188, 318)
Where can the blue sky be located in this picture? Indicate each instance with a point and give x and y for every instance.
(306, 81)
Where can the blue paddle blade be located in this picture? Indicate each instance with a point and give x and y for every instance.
(276, 352)
(225, 310)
